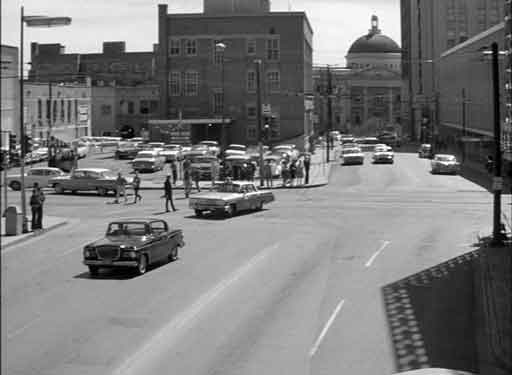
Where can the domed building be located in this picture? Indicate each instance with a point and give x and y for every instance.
(368, 90)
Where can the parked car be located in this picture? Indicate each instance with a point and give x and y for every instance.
(203, 163)
(289, 149)
(213, 147)
(383, 154)
(148, 160)
(133, 243)
(100, 180)
(171, 152)
(230, 197)
(41, 175)
(352, 156)
(237, 147)
(443, 163)
(390, 138)
(82, 148)
(42, 153)
(425, 151)
(158, 146)
(127, 150)
(367, 143)
(275, 164)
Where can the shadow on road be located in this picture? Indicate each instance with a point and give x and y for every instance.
(108, 274)
(440, 317)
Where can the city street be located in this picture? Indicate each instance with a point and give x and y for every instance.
(296, 287)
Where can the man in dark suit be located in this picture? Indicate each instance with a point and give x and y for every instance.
(168, 194)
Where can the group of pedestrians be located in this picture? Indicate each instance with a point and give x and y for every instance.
(294, 172)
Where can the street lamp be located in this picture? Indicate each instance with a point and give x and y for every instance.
(30, 21)
(220, 48)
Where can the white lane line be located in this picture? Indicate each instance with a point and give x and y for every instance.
(21, 329)
(161, 340)
(376, 254)
(318, 341)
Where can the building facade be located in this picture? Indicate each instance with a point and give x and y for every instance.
(430, 27)
(113, 66)
(213, 90)
(9, 74)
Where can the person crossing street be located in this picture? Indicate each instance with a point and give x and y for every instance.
(168, 194)
(136, 187)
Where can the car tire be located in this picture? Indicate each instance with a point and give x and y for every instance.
(58, 188)
(15, 185)
(173, 255)
(198, 213)
(94, 270)
(231, 211)
(142, 265)
(102, 191)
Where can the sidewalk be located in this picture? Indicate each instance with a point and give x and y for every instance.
(49, 223)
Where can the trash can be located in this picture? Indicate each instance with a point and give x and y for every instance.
(13, 221)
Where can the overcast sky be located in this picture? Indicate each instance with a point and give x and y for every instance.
(336, 23)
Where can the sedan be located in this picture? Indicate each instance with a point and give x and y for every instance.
(445, 164)
(41, 175)
(100, 180)
(352, 156)
(383, 154)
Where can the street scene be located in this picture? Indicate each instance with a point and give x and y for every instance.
(238, 200)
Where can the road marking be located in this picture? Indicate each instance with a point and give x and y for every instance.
(21, 329)
(370, 261)
(157, 343)
(318, 341)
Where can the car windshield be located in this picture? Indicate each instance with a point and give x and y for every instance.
(126, 229)
(227, 188)
(445, 158)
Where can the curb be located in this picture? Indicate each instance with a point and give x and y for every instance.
(32, 235)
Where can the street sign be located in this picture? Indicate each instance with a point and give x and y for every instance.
(266, 110)
(497, 183)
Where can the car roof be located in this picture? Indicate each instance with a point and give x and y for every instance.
(99, 170)
(136, 220)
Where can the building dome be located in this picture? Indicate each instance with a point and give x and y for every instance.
(374, 42)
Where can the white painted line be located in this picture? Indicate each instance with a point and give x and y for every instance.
(21, 329)
(370, 261)
(158, 343)
(326, 328)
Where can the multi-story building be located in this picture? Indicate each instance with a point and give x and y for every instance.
(114, 65)
(430, 27)
(365, 96)
(207, 70)
(10, 90)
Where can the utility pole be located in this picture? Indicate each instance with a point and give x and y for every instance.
(22, 130)
(257, 64)
(497, 239)
(329, 111)
(463, 125)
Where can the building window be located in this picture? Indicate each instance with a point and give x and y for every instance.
(251, 81)
(106, 109)
(131, 108)
(191, 83)
(69, 111)
(251, 46)
(275, 128)
(54, 111)
(273, 49)
(273, 81)
(144, 107)
(175, 83)
(190, 47)
(218, 103)
(252, 132)
(76, 110)
(174, 47)
(251, 111)
(48, 109)
(39, 109)
(62, 110)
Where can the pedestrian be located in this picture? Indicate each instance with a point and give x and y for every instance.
(293, 172)
(284, 172)
(299, 174)
(196, 177)
(267, 172)
(186, 181)
(244, 171)
(168, 194)
(120, 187)
(136, 187)
(307, 164)
(174, 169)
(36, 204)
(252, 170)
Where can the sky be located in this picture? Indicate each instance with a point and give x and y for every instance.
(336, 23)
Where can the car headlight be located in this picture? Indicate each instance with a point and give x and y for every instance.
(132, 254)
(89, 252)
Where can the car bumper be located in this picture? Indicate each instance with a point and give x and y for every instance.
(353, 161)
(383, 160)
(114, 263)
(209, 207)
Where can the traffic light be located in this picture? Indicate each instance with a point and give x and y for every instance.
(12, 143)
(27, 142)
(266, 132)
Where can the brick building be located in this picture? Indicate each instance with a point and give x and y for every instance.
(112, 66)
(203, 87)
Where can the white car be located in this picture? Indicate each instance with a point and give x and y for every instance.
(148, 160)
(41, 175)
(171, 152)
(445, 164)
(352, 155)
(82, 148)
(213, 146)
(383, 154)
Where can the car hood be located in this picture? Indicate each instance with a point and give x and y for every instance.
(383, 153)
(136, 241)
(217, 195)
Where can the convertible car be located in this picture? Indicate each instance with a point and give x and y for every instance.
(134, 243)
(229, 198)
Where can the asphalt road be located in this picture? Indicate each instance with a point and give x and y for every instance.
(295, 288)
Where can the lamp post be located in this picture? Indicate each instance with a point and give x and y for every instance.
(30, 21)
(220, 48)
(257, 64)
